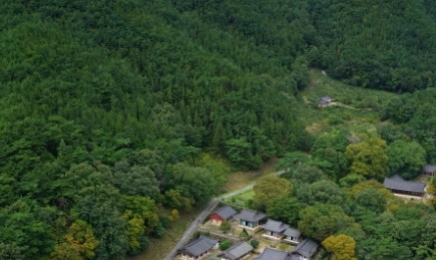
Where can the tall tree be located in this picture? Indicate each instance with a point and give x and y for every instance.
(268, 188)
(341, 246)
(368, 157)
(322, 220)
(406, 158)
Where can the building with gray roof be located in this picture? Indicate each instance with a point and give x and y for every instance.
(237, 251)
(274, 228)
(429, 170)
(398, 185)
(292, 235)
(324, 101)
(272, 254)
(305, 250)
(224, 213)
(250, 218)
(198, 248)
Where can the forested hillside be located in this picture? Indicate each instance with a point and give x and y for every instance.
(377, 44)
(113, 113)
(108, 106)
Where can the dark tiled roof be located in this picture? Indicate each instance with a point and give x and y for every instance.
(429, 168)
(200, 246)
(271, 254)
(275, 226)
(306, 248)
(250, 215)
(294, 257)
(292, 232)
(237, 250)
(225, 212)
(397, 183)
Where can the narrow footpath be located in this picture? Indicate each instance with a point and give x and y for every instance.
(203, 215)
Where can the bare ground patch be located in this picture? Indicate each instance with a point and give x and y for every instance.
(238, 180)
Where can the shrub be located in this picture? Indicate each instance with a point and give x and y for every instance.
(244, 233)
(254, 243)
(225, 226)
(225, 245)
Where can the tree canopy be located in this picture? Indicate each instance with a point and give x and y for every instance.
(116, 114)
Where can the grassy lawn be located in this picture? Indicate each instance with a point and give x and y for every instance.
(354, 108)
(238, 180)
(351, 97)
(241, 200)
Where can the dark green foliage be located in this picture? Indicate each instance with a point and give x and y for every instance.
(24, 230)
(415, 116)
(103, 100)
(10, 252)
(107, 107)
(285, 209)
(137, 180)
(224, 245)
(378, 44)
(144, 245)
(371, 199)
(323, 191)
(159, 231)
(254, 243)
(321, 220)
(330, 147)
(195, 183)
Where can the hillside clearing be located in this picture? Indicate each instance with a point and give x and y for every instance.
(354, 109)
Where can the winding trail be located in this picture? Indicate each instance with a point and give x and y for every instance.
(205, 212)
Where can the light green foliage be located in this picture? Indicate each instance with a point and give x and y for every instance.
(356, 189)
(143, 208)
(79, 243)
(244, 234)
(293, 160)
(174, 215)
(342, 246)
(406, 158)
(174, 199)
(351, 180)
(269, 188)
(368, 157)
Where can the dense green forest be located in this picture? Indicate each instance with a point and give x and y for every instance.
(110, 110)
